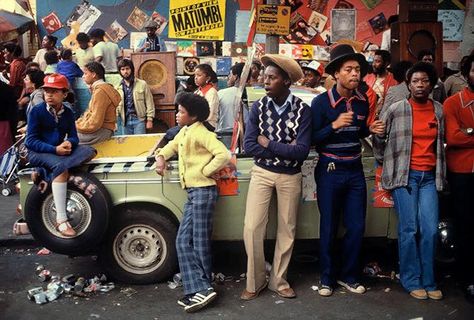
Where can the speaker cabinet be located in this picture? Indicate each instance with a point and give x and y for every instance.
(158, 69)
(409, 38)
(418, 11)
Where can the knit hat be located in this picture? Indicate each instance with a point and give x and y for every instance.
(345, 52)
(56, 81)
(315, 66)
(288, 65)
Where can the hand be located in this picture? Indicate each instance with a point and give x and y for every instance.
(377, 127)
(149, 124)
(263, 141)
(216, 176)
(344, 120)
(67, 144)
(63, 150)
(160, 165)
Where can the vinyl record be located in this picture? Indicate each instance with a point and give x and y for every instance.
(190, 65)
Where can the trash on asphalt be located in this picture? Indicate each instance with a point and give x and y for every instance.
(279, 301)
(69, 284)
(176, 281)
(315, 288)
(372, 269)
(43, 252)
(128, 291)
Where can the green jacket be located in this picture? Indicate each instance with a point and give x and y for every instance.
(142, 98)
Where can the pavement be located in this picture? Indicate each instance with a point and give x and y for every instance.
(385, 298)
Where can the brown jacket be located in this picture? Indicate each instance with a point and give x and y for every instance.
(101, 112)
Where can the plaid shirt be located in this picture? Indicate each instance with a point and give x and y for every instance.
(394, 149)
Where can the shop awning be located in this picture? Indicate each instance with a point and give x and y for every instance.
(13, 24)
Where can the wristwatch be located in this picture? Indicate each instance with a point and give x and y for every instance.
(470, 131)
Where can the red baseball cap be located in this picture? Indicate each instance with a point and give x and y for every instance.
(56, 81)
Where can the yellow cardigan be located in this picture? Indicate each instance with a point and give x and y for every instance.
(201, 154)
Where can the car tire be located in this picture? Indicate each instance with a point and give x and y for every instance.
(88, 206)
(140, 247)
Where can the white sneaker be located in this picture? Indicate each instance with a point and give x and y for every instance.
(352, 287)
(325, 291)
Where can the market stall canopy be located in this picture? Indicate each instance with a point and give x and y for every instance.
(13, 24)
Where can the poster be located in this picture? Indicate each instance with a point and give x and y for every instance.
(190, 65)
(162, 22)
(186, 48)
(51, 22)
(370, 4)
(204, 48)
(199, 20)
(308, 185)
(343, 24)
(378, 23)
(116, 32)
(381, 198)
(300, 31)
(137, 18)
(135, 38)
(85, 14)
(317, 21)
(223, 65)
(318, 5)
(453, 21)
(272, 19)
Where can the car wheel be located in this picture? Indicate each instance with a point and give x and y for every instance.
(87, 210)
(140, 248)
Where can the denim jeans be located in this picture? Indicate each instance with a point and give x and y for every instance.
(133, 126)
(417, 207)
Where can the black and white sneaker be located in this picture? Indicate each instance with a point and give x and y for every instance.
(200, 299)
(184, 301)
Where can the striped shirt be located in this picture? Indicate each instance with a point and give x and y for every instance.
(343, 143)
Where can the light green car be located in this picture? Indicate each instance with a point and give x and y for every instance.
(129, 215)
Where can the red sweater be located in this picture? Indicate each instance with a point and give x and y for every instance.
(459, 114)
(425, 129)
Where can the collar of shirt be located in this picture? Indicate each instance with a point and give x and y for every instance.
(54, 113)
(97, 82)
(132, 82)
(335, 98)
(285, 104)
(465, 97)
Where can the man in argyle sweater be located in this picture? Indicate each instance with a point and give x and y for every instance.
(278, 135)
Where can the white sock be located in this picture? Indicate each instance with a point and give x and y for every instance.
(59, 195)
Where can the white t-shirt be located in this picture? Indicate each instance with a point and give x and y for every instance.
(83, 57)
(39, 58)
(109, 52)
(225, 119)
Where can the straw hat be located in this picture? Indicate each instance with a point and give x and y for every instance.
(290, 66)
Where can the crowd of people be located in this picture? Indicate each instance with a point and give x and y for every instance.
(422, 131)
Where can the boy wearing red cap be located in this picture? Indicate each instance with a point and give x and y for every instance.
(53, 146)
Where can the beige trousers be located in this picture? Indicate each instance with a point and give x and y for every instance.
(288, 189)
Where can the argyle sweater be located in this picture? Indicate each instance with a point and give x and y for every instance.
(289, 134)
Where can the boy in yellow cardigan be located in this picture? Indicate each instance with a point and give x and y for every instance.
(201, 155)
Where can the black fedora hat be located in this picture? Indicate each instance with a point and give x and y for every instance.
(342, 53)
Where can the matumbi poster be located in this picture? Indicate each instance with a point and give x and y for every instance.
(198, 20)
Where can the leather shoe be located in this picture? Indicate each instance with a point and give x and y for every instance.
(419, 294)
(435, 294)
(65, 229)
(287, 293)
(247, 295)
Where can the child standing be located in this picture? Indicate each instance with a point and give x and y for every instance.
(201, 155)
(203, 77)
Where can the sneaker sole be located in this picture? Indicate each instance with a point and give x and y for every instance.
(202, 304)
(182, 304)
(349, 288)
(328, 294)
